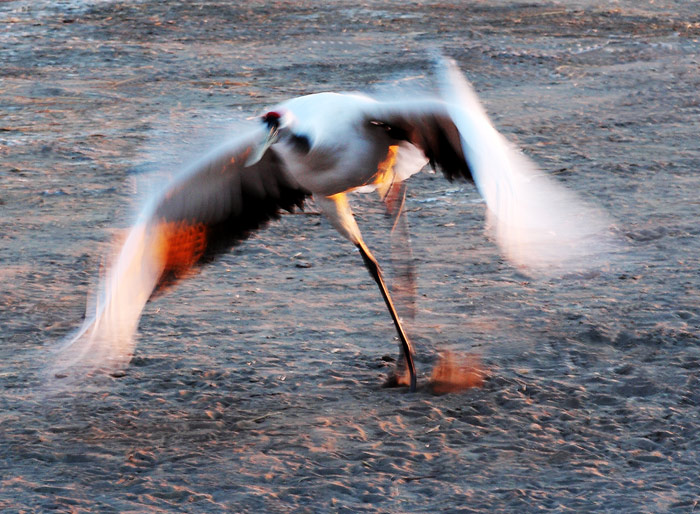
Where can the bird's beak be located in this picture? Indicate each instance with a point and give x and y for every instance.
(258, 152)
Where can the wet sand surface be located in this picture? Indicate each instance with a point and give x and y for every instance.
(256, 386)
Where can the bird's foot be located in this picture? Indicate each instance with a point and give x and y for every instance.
(398, 378)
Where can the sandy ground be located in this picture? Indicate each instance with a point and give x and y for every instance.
(256, 385)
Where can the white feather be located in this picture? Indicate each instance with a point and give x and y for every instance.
(105, 341)
(409, 161)
(539, 225)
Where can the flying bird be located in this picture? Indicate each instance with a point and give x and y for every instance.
(324, 146)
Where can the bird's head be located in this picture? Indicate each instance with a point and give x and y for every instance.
(278, 119)
(271, 118)
(274, 122)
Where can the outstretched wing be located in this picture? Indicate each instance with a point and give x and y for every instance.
(540, 226)
(214, 204)
(218, 203)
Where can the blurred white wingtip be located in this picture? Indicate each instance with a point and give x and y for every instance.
(541, 227)
(105, 342)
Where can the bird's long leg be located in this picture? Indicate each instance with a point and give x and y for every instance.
(338, 211)
(403, 284)
(406, 346)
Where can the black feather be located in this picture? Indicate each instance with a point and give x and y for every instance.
(221, 204)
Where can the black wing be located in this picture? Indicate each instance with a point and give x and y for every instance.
(213, 205)
(218, 203)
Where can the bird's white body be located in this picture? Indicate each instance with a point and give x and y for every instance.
(342, 157)
(325, 145)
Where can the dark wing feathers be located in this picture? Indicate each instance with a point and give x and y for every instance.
(217, 204)
(427, 125)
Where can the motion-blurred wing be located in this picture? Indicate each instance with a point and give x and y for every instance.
(539, 225)
(218, 203)
(213, 205)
